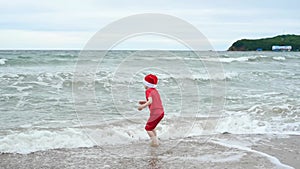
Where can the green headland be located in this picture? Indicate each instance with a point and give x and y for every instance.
(266, 44)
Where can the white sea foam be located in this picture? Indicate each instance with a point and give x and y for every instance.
(271, 158)
(126, 132)
(232, 59)
(22, 88)
(35, 140)
(239, 59)
(216, 76)
(279, 58)
(117, 132)
(9, 76)
(241, 124)
(248, 123)
(2, 61)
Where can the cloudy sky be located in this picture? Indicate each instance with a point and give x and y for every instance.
(69, 24)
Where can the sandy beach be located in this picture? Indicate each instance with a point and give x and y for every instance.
(218, 151)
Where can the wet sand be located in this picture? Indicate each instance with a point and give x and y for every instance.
(218, 151)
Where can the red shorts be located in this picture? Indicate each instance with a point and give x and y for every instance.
(153, 121)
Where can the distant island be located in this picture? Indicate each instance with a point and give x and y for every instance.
(266, 44)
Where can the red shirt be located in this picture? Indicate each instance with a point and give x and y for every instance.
(156, 106)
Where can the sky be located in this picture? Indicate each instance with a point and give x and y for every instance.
(69, 24)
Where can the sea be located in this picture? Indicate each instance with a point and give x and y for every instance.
(57, 99)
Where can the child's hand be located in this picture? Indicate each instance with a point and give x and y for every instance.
(142, 102)
(140, 108)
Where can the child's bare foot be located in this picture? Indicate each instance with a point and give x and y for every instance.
(154, 142)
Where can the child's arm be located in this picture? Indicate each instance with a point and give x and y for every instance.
(141, 107)
(142, 102)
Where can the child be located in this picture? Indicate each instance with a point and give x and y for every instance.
(155, 106)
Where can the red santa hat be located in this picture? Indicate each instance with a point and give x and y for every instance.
(150, 81)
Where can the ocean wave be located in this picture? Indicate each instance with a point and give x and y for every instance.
(108, 133)
(2, 61)
(31, 61)
(239, 59)
(279, 58)
(24, 57)
(248, 124)
(255, 58)
(127, 131)
(66, 55)
(38, 76)
(65, 80)
(37, 140)
(231, 58)
(166, 78)
(284, 110)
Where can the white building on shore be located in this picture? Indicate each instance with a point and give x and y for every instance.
(281, 48)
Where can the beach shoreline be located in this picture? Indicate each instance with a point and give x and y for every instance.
(218, 151)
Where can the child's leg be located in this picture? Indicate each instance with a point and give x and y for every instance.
(154, 132)
(152, 135)
(155, 137)
(151, 124)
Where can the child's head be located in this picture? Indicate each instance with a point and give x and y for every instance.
(150, 81)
